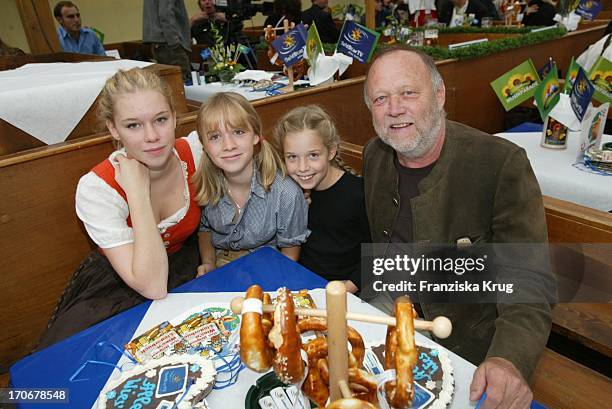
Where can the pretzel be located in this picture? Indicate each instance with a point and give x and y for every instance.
(255, 351)
(401, 355)
(314, 387)
(287, 362)
(350, 403)
(316, 384)
(320, 325)
(267, 319)
(362, 384)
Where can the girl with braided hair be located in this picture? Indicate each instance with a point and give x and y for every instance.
(308, 141)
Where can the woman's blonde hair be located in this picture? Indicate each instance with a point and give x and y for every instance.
(232, 110)
(127, 82)
(311, 118)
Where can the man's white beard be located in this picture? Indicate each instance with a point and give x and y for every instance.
(424, 140)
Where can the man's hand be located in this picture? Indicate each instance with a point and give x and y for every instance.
(205, 268)
(505, 387)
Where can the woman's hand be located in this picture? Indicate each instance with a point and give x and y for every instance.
(132, 175)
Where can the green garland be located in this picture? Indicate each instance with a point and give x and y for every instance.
(495, 46)
(524, 38)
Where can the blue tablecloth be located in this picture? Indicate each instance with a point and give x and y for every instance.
(526, 127)
(53, 366)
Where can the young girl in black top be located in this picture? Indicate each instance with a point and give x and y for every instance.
(308, 141)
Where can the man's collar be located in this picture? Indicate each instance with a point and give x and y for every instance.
(64, 33)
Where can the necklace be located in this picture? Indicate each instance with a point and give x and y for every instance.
(229, 192)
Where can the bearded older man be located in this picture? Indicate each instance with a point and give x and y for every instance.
(428, 179)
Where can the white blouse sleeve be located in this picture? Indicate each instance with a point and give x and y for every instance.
(103, 212)
(196, 147)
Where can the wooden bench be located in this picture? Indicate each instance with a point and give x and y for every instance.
(560, 383)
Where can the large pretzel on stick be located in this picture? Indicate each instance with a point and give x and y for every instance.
(287, 363)
(255, 350)
(401, 355)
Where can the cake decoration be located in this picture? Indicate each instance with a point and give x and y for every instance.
(179, 381)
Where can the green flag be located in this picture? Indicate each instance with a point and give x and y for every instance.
(547, 93)
(517, 85)
(99, 34)
(572, 73)
(314, 46)
(601, 77)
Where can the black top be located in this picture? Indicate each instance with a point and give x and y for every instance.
(543, 17)
(338, 222)
(326, 27)
(474, 7)
(408, 182)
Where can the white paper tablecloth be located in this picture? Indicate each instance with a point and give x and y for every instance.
(48, 100)
(556, 175)
(233, 397)
(202, 92)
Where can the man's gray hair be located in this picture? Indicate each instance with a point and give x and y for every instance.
(436, 78)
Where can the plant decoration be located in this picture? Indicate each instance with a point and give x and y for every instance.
(567, 6)
(339, 11)
(225, 57)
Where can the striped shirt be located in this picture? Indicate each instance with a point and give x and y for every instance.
(277, 218)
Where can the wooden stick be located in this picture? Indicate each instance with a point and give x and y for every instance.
(441, 327)
(337, 348)
(345, 390)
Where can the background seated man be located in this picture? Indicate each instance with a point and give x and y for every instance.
(203, 22)
(321, 15)
(209, 19)
(72, 37)
(456, 12)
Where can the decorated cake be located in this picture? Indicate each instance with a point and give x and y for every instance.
(433, 374)
(178, 381)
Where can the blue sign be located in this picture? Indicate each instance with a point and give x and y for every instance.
(357, 41)
(581, 94)
(291, 45)
(172, 380)
(422, 397)
(589, 9)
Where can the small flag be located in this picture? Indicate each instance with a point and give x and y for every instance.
(589, 9)
(547, 93)
(543, 72)
(357, 41)
(601, 78)
(243, 49)
(581, 94)
(99, 34)
(290, 46)
(314, 46)
(205, 54)
(572, 73)
(517, 85)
